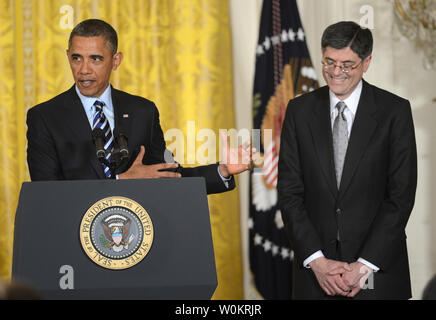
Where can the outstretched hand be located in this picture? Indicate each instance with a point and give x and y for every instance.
(235, 160)
(139, 171)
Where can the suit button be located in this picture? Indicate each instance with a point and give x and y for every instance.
(338, 211)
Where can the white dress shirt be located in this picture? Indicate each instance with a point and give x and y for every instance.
(108, 109)
(349, 112)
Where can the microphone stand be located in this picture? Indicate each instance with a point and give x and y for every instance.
(118, 155)
(114, 164)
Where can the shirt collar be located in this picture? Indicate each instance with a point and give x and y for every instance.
(88, 102)
(352, 101)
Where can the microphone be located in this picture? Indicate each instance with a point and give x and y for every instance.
(98, 138)
(121, 140)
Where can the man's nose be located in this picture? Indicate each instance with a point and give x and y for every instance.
(337, 71)
(85, 68)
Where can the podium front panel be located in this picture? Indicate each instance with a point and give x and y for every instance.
(179, 265)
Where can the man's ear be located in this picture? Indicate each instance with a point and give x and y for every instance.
(366, 63)
(118, 57)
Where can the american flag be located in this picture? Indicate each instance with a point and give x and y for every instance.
(283, 71)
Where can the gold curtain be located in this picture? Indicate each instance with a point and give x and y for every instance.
(176, 53)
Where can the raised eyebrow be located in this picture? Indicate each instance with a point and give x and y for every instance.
(97, 56)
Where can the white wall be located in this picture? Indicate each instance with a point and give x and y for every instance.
(396, 66)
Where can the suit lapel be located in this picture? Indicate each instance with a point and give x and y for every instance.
(364, 125)
(123, 117)
(122, 114)
(320, 126)
(78, 124)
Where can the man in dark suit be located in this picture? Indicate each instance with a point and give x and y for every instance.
(347, 178)
(60, 146)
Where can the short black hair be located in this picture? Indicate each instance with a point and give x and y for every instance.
(95, 28)
(348, 34)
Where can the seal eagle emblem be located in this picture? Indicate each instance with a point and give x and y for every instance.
(116, 233)
(116, 229)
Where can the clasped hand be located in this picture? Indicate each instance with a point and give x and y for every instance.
(340, 278)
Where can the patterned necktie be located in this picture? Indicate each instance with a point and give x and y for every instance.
(340, 140)
(100, 121)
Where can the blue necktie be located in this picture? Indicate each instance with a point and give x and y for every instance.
(100, 121)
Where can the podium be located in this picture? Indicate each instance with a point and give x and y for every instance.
(54, 257)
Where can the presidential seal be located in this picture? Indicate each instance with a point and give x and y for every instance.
(116, 233)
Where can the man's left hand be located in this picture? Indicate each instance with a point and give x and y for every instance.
(356, 278)
(236, 160)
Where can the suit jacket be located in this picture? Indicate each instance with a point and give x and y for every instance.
(367, 216)
(60, 145)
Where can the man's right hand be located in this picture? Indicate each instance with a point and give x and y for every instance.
(140, 171)
(328, 273)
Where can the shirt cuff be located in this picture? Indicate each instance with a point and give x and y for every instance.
(314, 256)
(225, 180)
(368, 264)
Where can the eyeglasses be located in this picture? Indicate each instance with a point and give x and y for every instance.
(345, 68)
